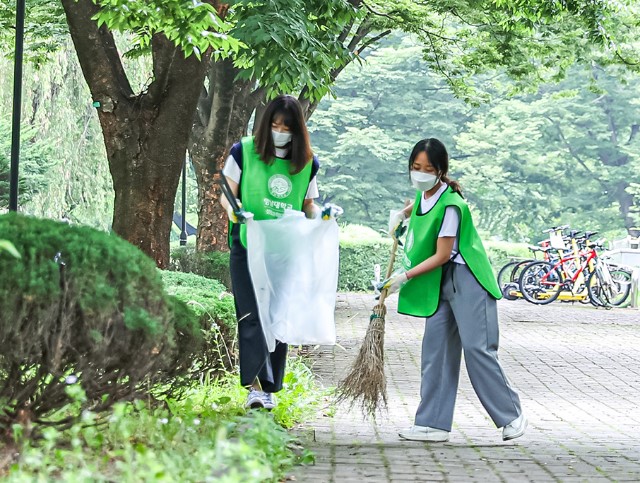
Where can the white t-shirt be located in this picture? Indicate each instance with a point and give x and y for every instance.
(232, 171)
(450, 223)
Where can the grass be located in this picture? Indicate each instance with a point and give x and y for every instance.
(205, 436)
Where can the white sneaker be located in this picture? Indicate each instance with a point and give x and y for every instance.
(425, 433)
(515, 428)
(268, 401)
(255, 399)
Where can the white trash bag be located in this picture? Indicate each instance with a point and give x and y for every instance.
(293, 263)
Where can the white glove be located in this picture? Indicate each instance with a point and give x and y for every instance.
(396, 222)
(394, 282)
(233, 218)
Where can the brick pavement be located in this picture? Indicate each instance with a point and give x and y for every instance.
(576, 368)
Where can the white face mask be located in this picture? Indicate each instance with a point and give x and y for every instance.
(423, 181)
(281, 139)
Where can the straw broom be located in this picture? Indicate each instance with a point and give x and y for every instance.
(366, 383)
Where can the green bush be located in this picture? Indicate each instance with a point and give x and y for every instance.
(215, 310)
(501, 252)
(360, 249)
(82, 305)
(212, 265)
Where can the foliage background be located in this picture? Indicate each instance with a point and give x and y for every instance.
(565, 153)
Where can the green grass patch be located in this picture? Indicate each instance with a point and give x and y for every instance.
(205, 436)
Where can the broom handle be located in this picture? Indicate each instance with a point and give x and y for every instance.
(392, 260)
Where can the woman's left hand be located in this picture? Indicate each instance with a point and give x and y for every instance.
(329, 210)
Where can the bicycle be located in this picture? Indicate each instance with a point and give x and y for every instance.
(509, 274)
(609, 285)
(543, 282)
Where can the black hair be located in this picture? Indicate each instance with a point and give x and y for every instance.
(290, 110)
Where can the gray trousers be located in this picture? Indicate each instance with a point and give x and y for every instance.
(466, 319)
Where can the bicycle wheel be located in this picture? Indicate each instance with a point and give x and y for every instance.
(609, 294)
(622, 278)
(540, 283)
(594, 290)
(504, 275)
(517, 270)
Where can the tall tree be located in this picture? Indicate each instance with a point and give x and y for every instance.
(364, 136)
(45, 29)
(35, 163)
(569, 153)
(531, 41)
(146, 133)
(57, 108)
(526, 161)
(459, 37)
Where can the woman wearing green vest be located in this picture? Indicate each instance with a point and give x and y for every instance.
(447, 278)
(268, 173)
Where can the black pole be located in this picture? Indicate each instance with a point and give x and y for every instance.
(17, 105)
(183, 233)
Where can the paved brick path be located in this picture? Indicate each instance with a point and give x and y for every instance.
(576, 368)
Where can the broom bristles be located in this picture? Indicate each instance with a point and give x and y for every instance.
(366, 383)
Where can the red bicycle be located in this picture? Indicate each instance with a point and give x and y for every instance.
(581, 273)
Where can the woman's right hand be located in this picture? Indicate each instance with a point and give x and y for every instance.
(233, 217)
(393, 283)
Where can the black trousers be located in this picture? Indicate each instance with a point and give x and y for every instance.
(255, 358)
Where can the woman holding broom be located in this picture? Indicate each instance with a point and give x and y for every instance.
(447, 278)
(267, 173)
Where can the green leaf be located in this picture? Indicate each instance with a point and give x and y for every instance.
(7, 246)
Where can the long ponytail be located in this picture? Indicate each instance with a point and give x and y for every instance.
(455, 186)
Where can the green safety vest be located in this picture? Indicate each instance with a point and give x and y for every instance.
(420, 295)
(267, 190)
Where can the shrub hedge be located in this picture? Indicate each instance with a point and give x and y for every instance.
(212, 265)
(215, 310)
(501, 252)
(82, 305)
(360, 249)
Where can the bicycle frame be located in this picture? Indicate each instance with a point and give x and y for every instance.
(585, 258)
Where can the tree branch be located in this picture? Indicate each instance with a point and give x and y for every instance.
(163, 53)
(573, 153)
(347, 28)
(258, 94)
(455, 13)
(379, 14)
(437, 58)
(634, 131)
(97, 53)
(372, 40)
(362, 31)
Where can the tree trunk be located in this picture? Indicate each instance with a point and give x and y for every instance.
(626, 201)
(145, 135)
(222, 117)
